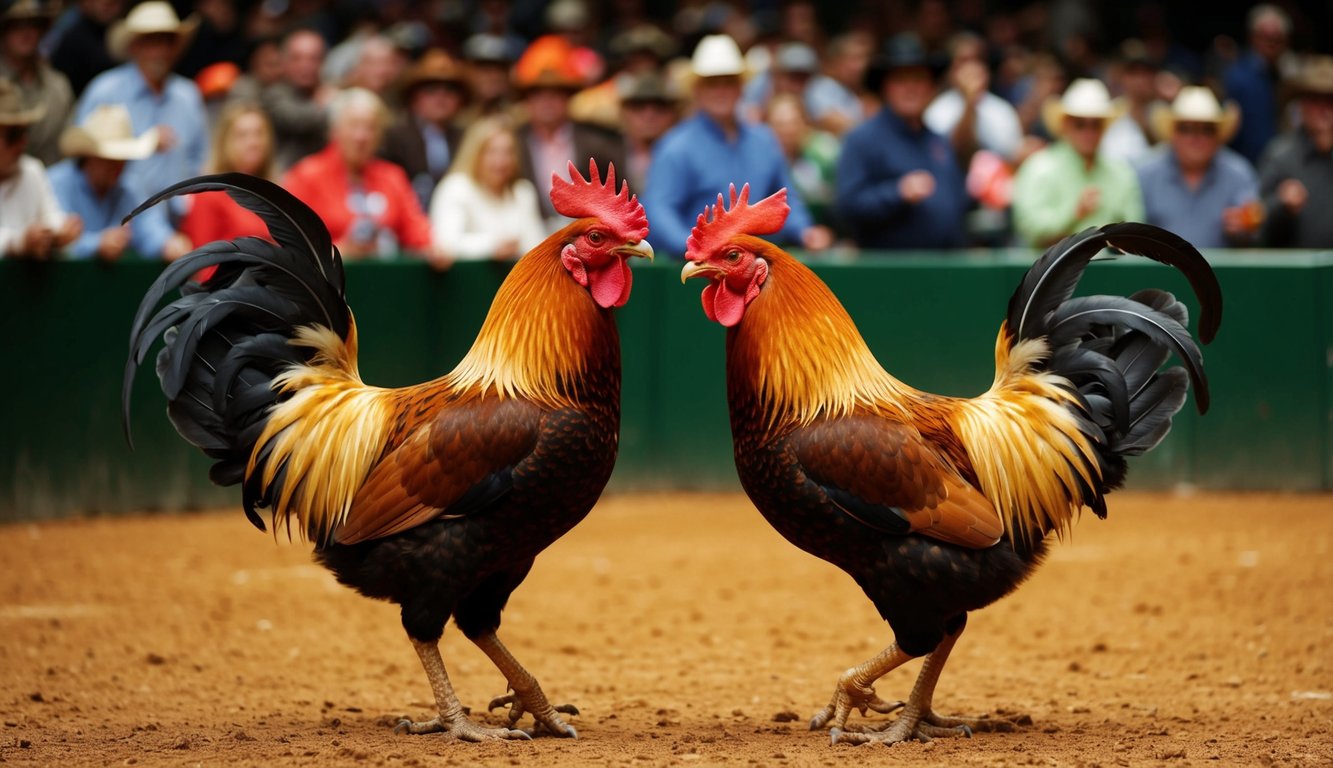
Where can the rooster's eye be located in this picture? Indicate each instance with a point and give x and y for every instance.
(733, 256)
(595, 237)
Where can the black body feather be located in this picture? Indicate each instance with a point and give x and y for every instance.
(226, 339)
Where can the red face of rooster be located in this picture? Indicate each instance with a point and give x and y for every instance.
(611, 228)
(726, 251)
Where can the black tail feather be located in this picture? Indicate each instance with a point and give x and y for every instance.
(227, 339)
(1112, 348)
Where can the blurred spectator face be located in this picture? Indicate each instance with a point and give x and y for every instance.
(789, 125)
(1138, 82)
(302, 56)
(547, 107)
(13, 140)
(1268, 36)
(908, 91)
(102, 11)
(249, 143)
(1317, 117)
(717, 97)
(497, 166)
(378, 65)
(155, 54)
(265, 63)
(21, 38)
(356, 133)
(645, 121)
(436, 103)
(849, 57)
(489, 81)
(102, 174)
(790, 82)
(1195, 144)
(1084, 134)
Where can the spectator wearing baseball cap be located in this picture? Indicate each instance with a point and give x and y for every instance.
(713, 149)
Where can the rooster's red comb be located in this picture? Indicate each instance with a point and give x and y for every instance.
(580, 198)
(740, 218)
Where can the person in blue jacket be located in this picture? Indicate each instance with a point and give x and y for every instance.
(898, 183)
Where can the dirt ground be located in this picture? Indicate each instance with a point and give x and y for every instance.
(1185, 630)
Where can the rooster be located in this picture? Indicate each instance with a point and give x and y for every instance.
(935, 505)
(437, 496)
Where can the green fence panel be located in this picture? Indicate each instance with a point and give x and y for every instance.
(931, 319)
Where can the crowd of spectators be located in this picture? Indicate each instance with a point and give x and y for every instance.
(433, 130)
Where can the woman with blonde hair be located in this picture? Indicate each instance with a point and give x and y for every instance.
(483, 208)
(242, 143)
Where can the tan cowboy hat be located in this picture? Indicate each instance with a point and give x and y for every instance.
(43, 11)
(108, 133)
(1195, 104)
(434, 66)
(151, 18)
(1085, 97)
(1314, 78)
(12, 111)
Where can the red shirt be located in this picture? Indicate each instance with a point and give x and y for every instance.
(387, 201)
(215, 216)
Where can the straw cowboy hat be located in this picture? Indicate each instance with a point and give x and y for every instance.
(108, 133)
(717, 56)
(1315, 78)
(12, 111)
(1195, 104)
(151, 18)
(1085, 97)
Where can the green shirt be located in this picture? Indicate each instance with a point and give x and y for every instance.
(1049, 183)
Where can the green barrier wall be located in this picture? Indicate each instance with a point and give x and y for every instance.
(931, 320)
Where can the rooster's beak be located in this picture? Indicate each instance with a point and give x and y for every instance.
(694, 269)
(642, 248)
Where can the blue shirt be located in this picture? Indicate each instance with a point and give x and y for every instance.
(1196, 214)
(875, 156)
(179, 107)
(149, 230)
(695, 161)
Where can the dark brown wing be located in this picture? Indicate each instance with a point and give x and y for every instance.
(451, 465)
(885, 474)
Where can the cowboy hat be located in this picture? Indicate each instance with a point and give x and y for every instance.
(434, 66)
(548, 63)
(151, 18)
(1195, 104)
(41, 11)
(108, 133)
(717, 56)
(1085, 97)
(12, 111)
(1315, 78)
(902, 51)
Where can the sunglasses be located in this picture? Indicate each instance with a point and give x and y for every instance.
(13, 134)
(1086, 123)
(1196, 129)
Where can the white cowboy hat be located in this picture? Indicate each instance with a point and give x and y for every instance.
(151, 18)
(717, 56)
(108, 133)
(1085, 97)
(1195, 104)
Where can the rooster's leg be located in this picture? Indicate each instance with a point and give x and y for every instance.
(451, 719)
(918, 720)
(526, 694)
(854, 691)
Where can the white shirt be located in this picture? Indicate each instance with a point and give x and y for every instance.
(998, 126)
(469, 222)
(26, 198)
